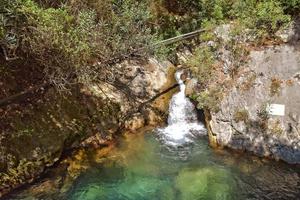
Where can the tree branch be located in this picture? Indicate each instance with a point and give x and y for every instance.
(20, 96)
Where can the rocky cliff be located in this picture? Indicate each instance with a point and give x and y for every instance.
(260, 111)
(245, 121)
(38, 129)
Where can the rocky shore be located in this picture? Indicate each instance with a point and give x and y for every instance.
(37, 130)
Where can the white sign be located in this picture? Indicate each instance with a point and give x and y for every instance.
(276, 109)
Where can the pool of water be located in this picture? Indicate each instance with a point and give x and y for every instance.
(144, 168)
(171, 163)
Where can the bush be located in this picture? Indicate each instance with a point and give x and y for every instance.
(66, 37)
(291, 6)
(174, 17)
(270, 17)
(265, 17)
(275, 86)
(263, 117)
(202, 64)
(65, 41)
(249, 82)
(210, 99)
(59, 42)
(241, 115)
(276, 128)
(263, 113)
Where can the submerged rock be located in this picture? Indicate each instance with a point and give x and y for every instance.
(206, 183)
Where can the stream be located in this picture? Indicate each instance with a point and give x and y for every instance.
(176, 163)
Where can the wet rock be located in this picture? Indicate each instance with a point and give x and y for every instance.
(191, 86)
(135, 123)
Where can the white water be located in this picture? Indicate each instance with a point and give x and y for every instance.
(183, 124)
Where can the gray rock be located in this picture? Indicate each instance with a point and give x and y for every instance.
(277, 136)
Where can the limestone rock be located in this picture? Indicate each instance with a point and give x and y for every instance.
(223, 32)
(274, 69)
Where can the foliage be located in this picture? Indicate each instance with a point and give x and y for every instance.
(202, 64)
(264, 17)
(263, 113)
(241, 115)
(291, 6)
(238, 55)
(275, 86)
(276, 128)
(263, 116)
(66, 37)
(66, 41)
(174, 17)
(249, 82)
(210, 99)
(269, 17)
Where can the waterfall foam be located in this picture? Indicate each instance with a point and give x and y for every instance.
(182, 121)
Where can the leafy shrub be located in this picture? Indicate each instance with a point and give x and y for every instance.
(241, 115)
(61, 43)
(202, 64)
(249, 82)
(263, 116)
(264, 18)
(66, 37)
(238, 55)
(291, 6)
(210, 99)
(270, 17)
(276, 128)
(174, 17)
(275, 86)
(263, 113)
(65, 41)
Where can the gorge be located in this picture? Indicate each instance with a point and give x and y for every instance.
(149, 99)
(172, 162)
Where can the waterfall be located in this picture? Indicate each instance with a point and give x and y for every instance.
(182, 121)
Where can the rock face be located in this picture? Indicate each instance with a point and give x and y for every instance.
(35, 132)
(245, 122)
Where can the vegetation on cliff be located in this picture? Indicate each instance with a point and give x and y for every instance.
(224, 49)
(69, 43)
(66, 38)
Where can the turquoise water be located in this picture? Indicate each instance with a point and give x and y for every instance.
(143, 168)
(171, 163)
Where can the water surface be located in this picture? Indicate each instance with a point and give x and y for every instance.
(176, 163)
(143, 168)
